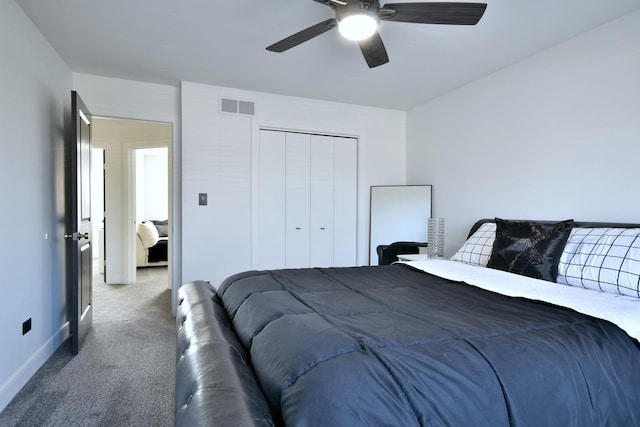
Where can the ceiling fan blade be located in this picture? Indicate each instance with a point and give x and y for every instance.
(303, 36)
(433, 13)
(374, 51)
(328, 2)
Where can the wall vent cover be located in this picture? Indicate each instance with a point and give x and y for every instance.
(245, 107)
(228, 105)
(234, 106)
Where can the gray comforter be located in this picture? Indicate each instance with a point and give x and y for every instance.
(393, 346)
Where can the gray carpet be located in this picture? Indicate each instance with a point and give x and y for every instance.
(124, 374)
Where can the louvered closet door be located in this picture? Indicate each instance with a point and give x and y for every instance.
(345, 201)
(270, 253)
(322, 201)
(298, 199)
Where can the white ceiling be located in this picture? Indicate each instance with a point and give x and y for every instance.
(223, 43)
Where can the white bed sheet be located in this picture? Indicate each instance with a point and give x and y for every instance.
(622, 310)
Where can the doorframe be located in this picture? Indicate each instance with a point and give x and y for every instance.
(175, 185)
(130, 268)
(145, 101)
(100, 183)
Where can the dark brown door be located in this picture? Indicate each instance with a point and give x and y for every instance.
(78, 246)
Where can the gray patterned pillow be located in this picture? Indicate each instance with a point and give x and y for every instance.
(529, 248)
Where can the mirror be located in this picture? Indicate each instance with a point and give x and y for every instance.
(399, 213)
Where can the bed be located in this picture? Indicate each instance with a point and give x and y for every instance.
(482, 339)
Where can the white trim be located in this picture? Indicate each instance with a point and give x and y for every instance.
(84, 118)
(130, 226)
(23, 374)
(130, 267)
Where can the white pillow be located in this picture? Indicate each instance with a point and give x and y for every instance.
(605, 259)
(477, 249)
(148, 234)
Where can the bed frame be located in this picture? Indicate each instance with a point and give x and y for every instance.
(215, 382)
(580, 224)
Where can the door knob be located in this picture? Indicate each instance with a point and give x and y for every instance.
(76, 236)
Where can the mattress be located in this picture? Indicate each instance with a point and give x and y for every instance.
(394, 345)
(622, 310)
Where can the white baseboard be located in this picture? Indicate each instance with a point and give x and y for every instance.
(14, 384)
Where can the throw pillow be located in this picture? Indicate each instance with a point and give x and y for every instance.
(529, 248)
(477, 249)
(604, 259)
(148, 234)
(162, 226)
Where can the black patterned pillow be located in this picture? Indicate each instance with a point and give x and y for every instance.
(529, 248)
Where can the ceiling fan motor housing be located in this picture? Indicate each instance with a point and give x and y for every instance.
(357, 8)
(357, 20)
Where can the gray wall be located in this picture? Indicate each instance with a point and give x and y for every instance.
(35, 87)
(555, 136)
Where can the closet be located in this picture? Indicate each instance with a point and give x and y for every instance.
(306, 200)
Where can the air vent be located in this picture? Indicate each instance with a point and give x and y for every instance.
(245, 107)
(233, 106)
(228, 105)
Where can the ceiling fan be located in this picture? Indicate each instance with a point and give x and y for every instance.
(358, 20)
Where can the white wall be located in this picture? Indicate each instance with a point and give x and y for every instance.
(218, 151)
(34, 112)
(555, 136)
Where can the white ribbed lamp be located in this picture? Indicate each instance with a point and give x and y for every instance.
(435, 237)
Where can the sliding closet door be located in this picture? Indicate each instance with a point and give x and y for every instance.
(298, 199)
(271, 201)
(322, 201)
(306, 201)
(345, 201)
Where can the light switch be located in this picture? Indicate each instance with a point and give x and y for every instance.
(202, 199)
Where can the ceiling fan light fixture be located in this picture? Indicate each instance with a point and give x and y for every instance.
(358, 26)
(358, 20)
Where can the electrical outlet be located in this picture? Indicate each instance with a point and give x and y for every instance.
(26, 326)
(202, 199)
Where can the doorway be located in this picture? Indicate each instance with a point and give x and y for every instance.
(97, 208)
(151, 207)
(120, 140)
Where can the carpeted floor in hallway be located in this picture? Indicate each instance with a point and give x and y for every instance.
(124, 374)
